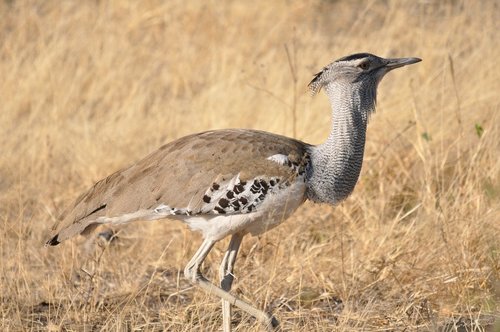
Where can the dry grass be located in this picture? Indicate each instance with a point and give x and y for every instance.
(88, 87)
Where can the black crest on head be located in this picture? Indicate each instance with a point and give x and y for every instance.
(354, 57)
(315, 84)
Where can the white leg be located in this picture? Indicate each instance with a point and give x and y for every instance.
(227, 277)
(193, 274)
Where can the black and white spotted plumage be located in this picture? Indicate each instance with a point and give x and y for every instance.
(236, 196)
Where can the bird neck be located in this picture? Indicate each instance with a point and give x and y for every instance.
(336, 164)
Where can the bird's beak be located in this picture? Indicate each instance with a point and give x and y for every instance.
(400, 62)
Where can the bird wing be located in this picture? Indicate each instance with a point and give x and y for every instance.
(215, 172)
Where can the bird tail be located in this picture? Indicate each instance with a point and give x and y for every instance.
(72, 230)
(86, 225)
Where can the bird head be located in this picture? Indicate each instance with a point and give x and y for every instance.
(360, 68)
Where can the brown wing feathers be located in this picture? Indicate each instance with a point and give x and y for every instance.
(180, 175)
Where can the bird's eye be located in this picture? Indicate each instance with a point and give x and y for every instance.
(364, 65)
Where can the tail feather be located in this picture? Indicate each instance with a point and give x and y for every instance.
(86, 226)
(53, 241)
(82, 228)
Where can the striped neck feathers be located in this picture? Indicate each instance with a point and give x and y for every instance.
(336, 164)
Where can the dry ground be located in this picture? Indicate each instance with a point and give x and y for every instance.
(88, 86)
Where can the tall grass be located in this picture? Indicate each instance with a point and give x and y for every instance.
(89, 87)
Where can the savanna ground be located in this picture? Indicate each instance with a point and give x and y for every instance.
(88, 87)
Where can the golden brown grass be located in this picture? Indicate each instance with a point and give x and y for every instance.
(88, 87)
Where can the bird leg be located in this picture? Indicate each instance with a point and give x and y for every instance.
(192, 273)
(227, 277)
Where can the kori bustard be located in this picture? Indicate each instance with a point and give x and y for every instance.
(239, 181)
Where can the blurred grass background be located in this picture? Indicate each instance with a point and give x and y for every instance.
(88, 87)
